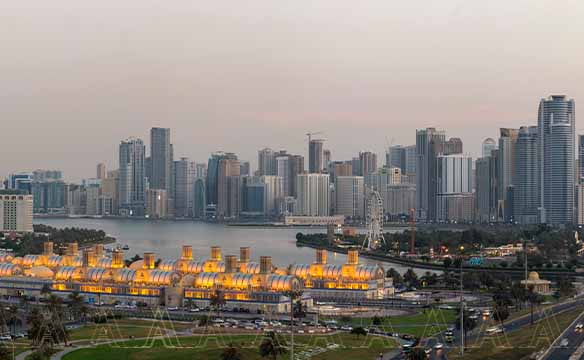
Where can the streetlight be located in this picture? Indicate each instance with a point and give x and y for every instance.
(461, 305)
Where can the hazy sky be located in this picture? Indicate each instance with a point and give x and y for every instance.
(77, 77)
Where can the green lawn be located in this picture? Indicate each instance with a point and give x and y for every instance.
(319, 347)
(519, 344)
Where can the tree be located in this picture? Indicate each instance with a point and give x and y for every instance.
(519, 294)
(231, 353)
(272, 346)
(299, 310)
(217, 300)
(76, 303)
(359, 331)
(376, 320)
(395, 275)
(410, 278)
(46, 290)
(417, 353)
(203, 321)
(566, 287)
(5, 353)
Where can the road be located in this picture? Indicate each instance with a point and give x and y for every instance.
(575, 341)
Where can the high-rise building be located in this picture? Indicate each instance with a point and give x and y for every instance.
(283, 171)
(313, 195)
(228, 188)
(506, 164)
(454, 198)
(398, 199)
(132, 177)
(296, 167)
(184, 178)
(15, 211)
(525, 183)
(41, 175)
(49, 197)
(488, 146)
(350, 196)
(581, 203)
(429, 143)
(262, 195)
(110, 190)
(367, 162)
(161, 158)
(378, 180)
(244, 168)
(212, 175)
(485, 189)
(266, 162)
(326, 159)
(403, 157)
(341, 168)
(22, 182)
(580, 157)
(157, 203)
(315, 156)
(101, 172)
(556, 123)
(452, 146)
(199, 202)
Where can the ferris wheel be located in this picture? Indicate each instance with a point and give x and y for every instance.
(374, 222)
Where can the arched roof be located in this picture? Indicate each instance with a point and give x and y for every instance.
(168, 265)
(282, 282)
(137, 265)
(368, 272)
(6, 258)
(7, 269)
(250, 268)
(241, 281)
(105, 263)
(125, 275)
(98, 274)
(31, 260)
(40, 272)
(331, 271)
(159, 277)
(66, 273)
(55, 261)
(206, 279)
(300, 270)
(195, 267)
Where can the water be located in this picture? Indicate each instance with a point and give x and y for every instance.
(165, 238)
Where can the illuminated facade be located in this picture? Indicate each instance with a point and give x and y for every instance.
(245, 284)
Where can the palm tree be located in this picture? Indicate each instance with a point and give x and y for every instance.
(13, 318)
(231, 353)
(272, 346)
(76, 303)
(46, 290)
(217, 300)
(534, 299)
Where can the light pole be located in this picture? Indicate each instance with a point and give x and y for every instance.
(461, 306)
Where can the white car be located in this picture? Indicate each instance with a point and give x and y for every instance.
(494, 330)
(5, 338)
(564, 342)
(346, 328)
(195, 310)
(438, 346)
(579, 327)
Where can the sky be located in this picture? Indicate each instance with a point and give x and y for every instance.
(77, 77)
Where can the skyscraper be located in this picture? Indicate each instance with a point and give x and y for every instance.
(486, 187)
(350, 196)
(580, 158)
(184, 178)
(454, 197)
(367, 162)
(326, 159)
(488, 146)
(283, 171)
(556, 123)
(313, 195)
(506, 165)
(101, 172)
(212, 175)
(161, 158)
(132, 176)
(525, 183)
(429, 143)
(228, 188)
(296, 167)
(266, 162)
(315, 156)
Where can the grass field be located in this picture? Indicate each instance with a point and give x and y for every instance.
(319, 347)
(519, 344)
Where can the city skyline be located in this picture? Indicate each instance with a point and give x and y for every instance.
(366, 72)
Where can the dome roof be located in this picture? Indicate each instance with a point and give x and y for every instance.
(206, 279)
(533, 276)
(137, 265)
(9, 270)
(283, 282)
(168, 265)
(40, 272)
(300, 270)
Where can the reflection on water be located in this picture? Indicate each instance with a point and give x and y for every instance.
(166, 237)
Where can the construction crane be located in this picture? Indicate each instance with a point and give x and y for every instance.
(309, 134)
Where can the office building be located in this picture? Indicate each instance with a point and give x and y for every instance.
(350, 196)
(506, 164)
(485, 189)
(228, 188)
(266, 162)
(21, 182)
(49, 197)
(429, 143)
(525, 183)
(184, 178)
(313, 195)
(454, 198)
(41, 175)
(580, 157)
(212, 175)
(101, 171)
(556, 147)
(156, 203)
(367, 163)
(161, 159)
(132, 177)
(487, 147)
(15, 211)
(244, 168)
(315, 156)
(199, 202)
(398, 199)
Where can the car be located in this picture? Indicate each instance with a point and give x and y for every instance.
(5, 338)
(346, 328)
(494, 330)
(564, 342)
(217, 321)
(486, 313)
(473, 317)
(438, 346)
(195, 310)
(428, 351)
(579, 327)
(172, 308)
(448, 333)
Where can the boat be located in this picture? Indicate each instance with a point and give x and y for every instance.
(125, 247)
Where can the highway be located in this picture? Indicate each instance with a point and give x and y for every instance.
(559, 351)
